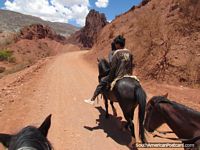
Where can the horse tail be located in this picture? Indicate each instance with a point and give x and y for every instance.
(141, 98)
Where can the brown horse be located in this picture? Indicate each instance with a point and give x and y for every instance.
(183, 121)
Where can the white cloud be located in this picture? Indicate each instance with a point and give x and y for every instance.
(52, 10)
(102, 3)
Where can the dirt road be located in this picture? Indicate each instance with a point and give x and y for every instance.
(59, 88)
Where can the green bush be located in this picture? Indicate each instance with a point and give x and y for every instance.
(5, 55)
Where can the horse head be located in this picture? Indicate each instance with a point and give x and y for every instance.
(154, 118)
(29, 137)
(103, 67)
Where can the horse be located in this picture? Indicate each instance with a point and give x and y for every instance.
(183, 121)
(128, 93)
(104, 69)
(29, 138)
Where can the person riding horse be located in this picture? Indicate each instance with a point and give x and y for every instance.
(115, 83)
(121, 64)
(113, 49)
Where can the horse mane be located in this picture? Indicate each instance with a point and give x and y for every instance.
(183, 107)
(30, 137)
(162, 99)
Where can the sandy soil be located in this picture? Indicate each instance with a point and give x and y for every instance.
(58, 86)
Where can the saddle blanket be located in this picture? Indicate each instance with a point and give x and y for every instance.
(119, 78)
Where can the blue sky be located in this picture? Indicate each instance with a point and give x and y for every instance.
(115, 7)
(2, 3)
(71, 11)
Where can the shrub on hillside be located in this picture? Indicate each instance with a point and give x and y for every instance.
(5, 55)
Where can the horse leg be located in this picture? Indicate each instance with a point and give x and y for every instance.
(106, 106)
(113, 109)
(130, 125)
(133, 139)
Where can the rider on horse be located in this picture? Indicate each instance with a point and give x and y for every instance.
(121, 64)
(110, 55)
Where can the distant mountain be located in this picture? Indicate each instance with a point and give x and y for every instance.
(12, 22)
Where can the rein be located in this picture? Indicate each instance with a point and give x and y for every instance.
(169, 138)
(174, 139)
(164, 132)
(192, 140)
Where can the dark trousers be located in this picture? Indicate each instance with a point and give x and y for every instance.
(103, 86)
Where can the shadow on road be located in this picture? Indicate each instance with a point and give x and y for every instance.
(111, 128)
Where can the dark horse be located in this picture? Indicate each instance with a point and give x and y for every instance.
(29, 138)
(104, 69)
(184, 121)
(128, 93)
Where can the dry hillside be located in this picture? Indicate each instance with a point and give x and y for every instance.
(32, 43)
(164, 37)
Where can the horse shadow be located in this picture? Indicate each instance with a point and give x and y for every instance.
(111, 128)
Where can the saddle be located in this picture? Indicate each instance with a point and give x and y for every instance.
(119, 78)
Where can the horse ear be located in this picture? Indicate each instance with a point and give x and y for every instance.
(44, 128)
(166, 95)
(5, 139)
